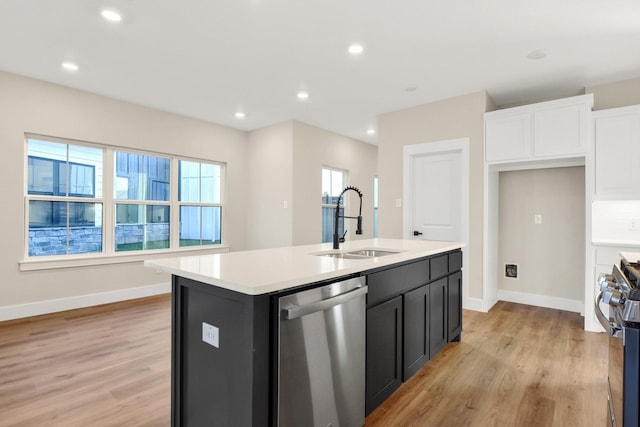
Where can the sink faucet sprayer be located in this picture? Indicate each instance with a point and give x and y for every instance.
(336, 238)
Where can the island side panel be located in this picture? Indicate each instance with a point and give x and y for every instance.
(224, 385)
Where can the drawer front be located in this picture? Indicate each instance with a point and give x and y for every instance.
(386, 284)
(439, 266)
(455, 262)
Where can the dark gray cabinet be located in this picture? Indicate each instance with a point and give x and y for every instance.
(384, 352)
(454, 306)
(416, 331)
(427, 296)
(437, 316)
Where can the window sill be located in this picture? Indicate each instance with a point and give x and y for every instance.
(34, 264)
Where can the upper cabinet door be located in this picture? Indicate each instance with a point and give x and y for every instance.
(508, 137)
(617, 153)
(546, 130)
(560, 131)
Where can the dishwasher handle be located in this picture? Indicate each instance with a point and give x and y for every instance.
(295, 311)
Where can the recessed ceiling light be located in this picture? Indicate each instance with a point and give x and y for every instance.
(240, 115)
(70, 66)
(536, 54)
(302, 95)
(371, 132)
(111, 15)
(356, 49)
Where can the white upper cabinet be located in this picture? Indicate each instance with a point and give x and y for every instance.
(617, 153)
(509, 136)
(550, 129)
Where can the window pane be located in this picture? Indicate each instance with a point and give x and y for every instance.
(210, 183)
(189, 181)
(141, 227)
(60, 228)
(200, 225)
(199, 182)
(64, 170)
(140, 177)
(328, 216)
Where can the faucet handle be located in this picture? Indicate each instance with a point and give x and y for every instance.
(344, 234)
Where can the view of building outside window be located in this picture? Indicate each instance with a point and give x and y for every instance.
(65, 203)
(64, 192)
(140, 182)
(199, 200)
(333, 182)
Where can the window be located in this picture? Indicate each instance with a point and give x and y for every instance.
(375, 206)
(141, 182)
(199, 201)
(148, 210)
(333, 182)
(63, 201)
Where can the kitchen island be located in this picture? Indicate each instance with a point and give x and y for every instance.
(225, 317)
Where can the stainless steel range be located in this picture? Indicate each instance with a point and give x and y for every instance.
(619, 290)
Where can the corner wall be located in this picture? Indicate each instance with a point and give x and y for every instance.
(458, 117)
(616, 94)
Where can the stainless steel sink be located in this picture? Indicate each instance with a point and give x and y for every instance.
(357, 254)
(372, 252)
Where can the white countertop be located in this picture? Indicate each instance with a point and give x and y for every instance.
(269, 270)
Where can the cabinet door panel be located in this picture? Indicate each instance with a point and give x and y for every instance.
(437, 316)
(508, 138)
(454, 301)
(384, 352)
(617, 153)
(560, 131)
(416, 331)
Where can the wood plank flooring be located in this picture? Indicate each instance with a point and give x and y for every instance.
(110, 366)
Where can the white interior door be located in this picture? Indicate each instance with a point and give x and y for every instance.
(436, 198)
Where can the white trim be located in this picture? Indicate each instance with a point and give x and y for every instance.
(474, 304)
(52, 306)
(460, 145)
(557, 303)
(67, 261)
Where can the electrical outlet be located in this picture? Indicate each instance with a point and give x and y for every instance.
(633, 225)
(398, 203)
(537, 219)
(210, 335)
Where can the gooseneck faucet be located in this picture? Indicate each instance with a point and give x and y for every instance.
(336, 237)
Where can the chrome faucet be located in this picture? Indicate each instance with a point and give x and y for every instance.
(336, 237)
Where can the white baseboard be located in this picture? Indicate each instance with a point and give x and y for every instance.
(576, 306)
(474, 304)
(52, 306)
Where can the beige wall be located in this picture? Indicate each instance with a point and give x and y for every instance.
(285, 162)
(616, 94)
(32, 106)
(452, 118)
(545, 251)
(314, 148)
(270, 178)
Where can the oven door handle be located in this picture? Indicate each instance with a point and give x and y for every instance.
(613, 330)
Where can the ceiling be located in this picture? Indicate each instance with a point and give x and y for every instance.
(208, 59)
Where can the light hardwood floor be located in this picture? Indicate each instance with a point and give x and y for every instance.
(110, 366)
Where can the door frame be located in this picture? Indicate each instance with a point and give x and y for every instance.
(457, 145)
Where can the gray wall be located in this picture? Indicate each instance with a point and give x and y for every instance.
(543, 252)
(616, 94)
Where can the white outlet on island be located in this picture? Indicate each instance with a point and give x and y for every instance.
(210, 335)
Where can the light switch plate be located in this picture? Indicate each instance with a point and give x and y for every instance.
(537, 219)
(210, 335)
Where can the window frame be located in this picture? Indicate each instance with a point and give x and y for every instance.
(109, 255)
(345, 183)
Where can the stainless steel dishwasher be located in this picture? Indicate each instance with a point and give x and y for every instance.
(321, 361)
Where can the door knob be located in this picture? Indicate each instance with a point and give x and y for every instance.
(417, 233)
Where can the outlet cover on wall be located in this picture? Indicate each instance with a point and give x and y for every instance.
(511, 271)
